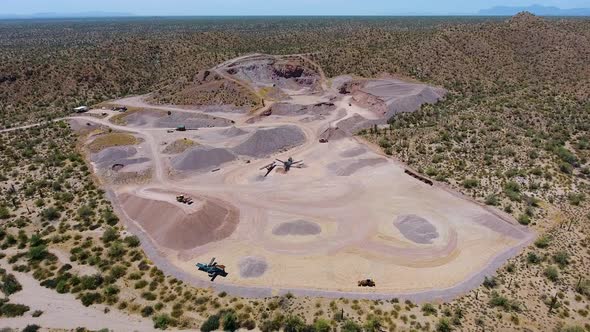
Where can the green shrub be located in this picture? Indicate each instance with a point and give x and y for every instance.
(321, 325)
(543, 242)
(50, 214)
(428, 309)
(211, 324)
(230, 321)
(162, 321)
(551, 273)
(561, 258)
(90, 298)
(351, 326)
(13, 310)
(147, 311)
(470, 183)
(444, 325)
(10, 284)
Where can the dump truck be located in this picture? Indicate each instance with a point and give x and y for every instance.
(184, 199)
(366, 283)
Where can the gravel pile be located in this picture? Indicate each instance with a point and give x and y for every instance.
(202, 158)
(265, 142)
(252, 266)
(191, 121)
(297, 227)
(286, 109)
(416, 229)
(233, 132)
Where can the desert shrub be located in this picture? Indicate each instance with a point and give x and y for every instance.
(10, 284)
(576, 198)
(322, 325)
(110, 218)
(533, 258)
(147, 311)
(561, 258)
(13, 310)
(543, 242)
(162, 321)
(373, 324)
(132, 241)
(498, 300)
(470, 183)
(444, 325)
(429, 309)
(110, 234)
(230, 321)
(37, 313)
(551, 273)
(50, 214)
(492, 200)
(211, 324)
(293, 323)
(38, 253)
(248, 324)
(90, 298)
(4, 212)
(351, 326)
(490, 282)
(31, 328)
(524, 219)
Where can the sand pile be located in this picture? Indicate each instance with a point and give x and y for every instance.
(297, 227)
(172, 227)
(202, 158)
(265, 142)
(333, 134)
(416, 229)
(346, 168)
(252, 266)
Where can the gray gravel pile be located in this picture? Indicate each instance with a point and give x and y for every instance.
(233, 132)
(252, 266)
(117, 155)
(416, 229)
(191, 121)
(202, 158)
(265, 142)
(286, 109)
(297, 227)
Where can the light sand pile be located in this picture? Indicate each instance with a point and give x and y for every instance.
(346, 168)
(172, 227)
(297, 227)
(202, 158)
(252, 266)
(416, 228)
(265, 142)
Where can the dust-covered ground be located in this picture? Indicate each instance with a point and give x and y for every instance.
(345, 213)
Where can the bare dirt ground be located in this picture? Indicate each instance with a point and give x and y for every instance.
(347, 214)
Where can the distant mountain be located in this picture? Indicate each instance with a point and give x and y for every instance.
(535, 9)
(65, 15)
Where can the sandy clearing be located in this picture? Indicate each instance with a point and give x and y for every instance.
(64, 311)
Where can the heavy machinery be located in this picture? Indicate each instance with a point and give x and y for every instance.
(366, 283)
(286, 165)
(184, 199)
(213, 269)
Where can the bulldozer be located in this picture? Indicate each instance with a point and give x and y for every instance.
(366, 283)
(184, 199)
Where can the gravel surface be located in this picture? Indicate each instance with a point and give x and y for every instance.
(344, 168)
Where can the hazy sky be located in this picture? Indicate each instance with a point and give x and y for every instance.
(270, 7)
